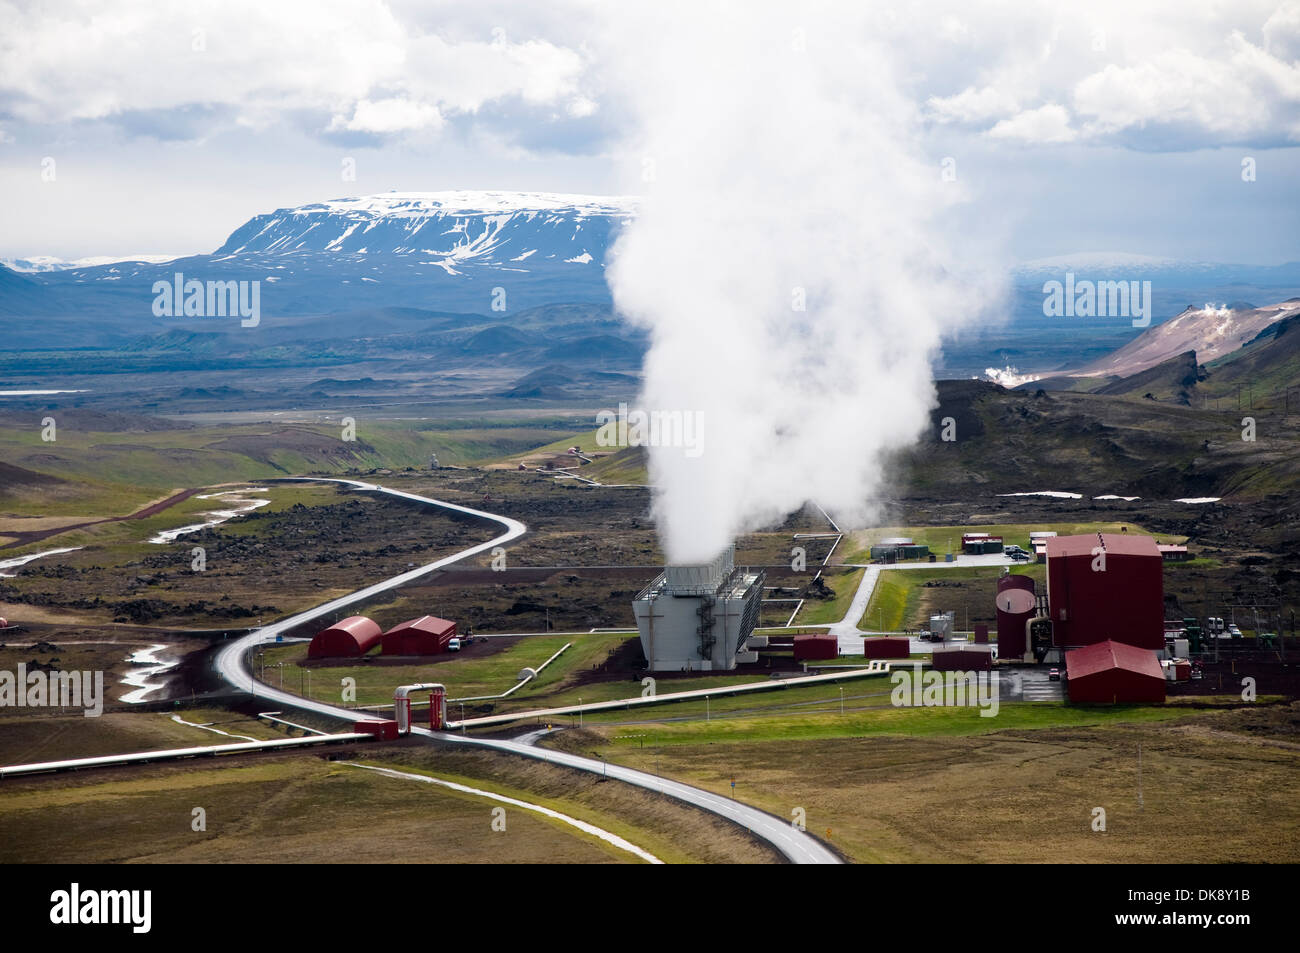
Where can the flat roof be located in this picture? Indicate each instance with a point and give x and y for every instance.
(1115, 544)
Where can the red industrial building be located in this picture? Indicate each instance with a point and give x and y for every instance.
(1110, 672)
(1105, 586)
(356, 635)
(427, 635)
(816, 647)
(384, 729)
(962, 660)
(887, 647)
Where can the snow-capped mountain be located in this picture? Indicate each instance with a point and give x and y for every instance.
(515, 231)
(38, 263)
(476, 252)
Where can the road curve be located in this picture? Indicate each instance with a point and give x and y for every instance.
(796, 845)
(793, 843)
(230, 660)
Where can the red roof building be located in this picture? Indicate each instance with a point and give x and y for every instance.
(427, 635)
(1112, 672)
(353, 636)
(1106, 586)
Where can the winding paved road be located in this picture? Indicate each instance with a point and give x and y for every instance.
(230, 660)
(793, 843)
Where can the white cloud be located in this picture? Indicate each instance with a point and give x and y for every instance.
(388, 116)
(1185, 74)
(972, 105)
(355, 63)
(1050, 124)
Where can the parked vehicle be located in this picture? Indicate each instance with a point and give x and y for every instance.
(453, 644)
(1054, 675)
(1234, 631)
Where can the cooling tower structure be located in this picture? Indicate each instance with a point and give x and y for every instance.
(698, 618)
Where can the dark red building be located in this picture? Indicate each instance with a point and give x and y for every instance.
(427, 635)
(1111, 672)
(887, 647)
(962, 660)
(816, 647)
(353, 636)
(1105, 586)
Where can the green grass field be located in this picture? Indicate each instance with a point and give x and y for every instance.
(464, 675)
(901, 599)
(823, 611)
(945, 786)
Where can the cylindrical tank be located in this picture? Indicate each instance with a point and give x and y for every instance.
(1016, 606)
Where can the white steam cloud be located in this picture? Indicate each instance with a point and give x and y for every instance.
(781, 170)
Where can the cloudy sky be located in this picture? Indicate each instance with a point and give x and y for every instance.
(157, 128)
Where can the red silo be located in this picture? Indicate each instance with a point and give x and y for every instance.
(1016, 604)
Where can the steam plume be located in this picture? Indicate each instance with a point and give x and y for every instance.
(781, 164)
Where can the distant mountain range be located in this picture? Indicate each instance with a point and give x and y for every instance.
(1201, 353)
(472, 252)
(1164, 273)
(390, 261)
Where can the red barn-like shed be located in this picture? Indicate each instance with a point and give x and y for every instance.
(1106, 586)
(427, 635)
(353, 636)
(1112, 672)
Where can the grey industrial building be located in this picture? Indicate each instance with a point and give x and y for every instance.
(698, 618)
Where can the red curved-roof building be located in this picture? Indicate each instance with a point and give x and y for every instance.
(353, 636)
(427, 635)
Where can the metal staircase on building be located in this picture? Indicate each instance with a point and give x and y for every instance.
(705, 628)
